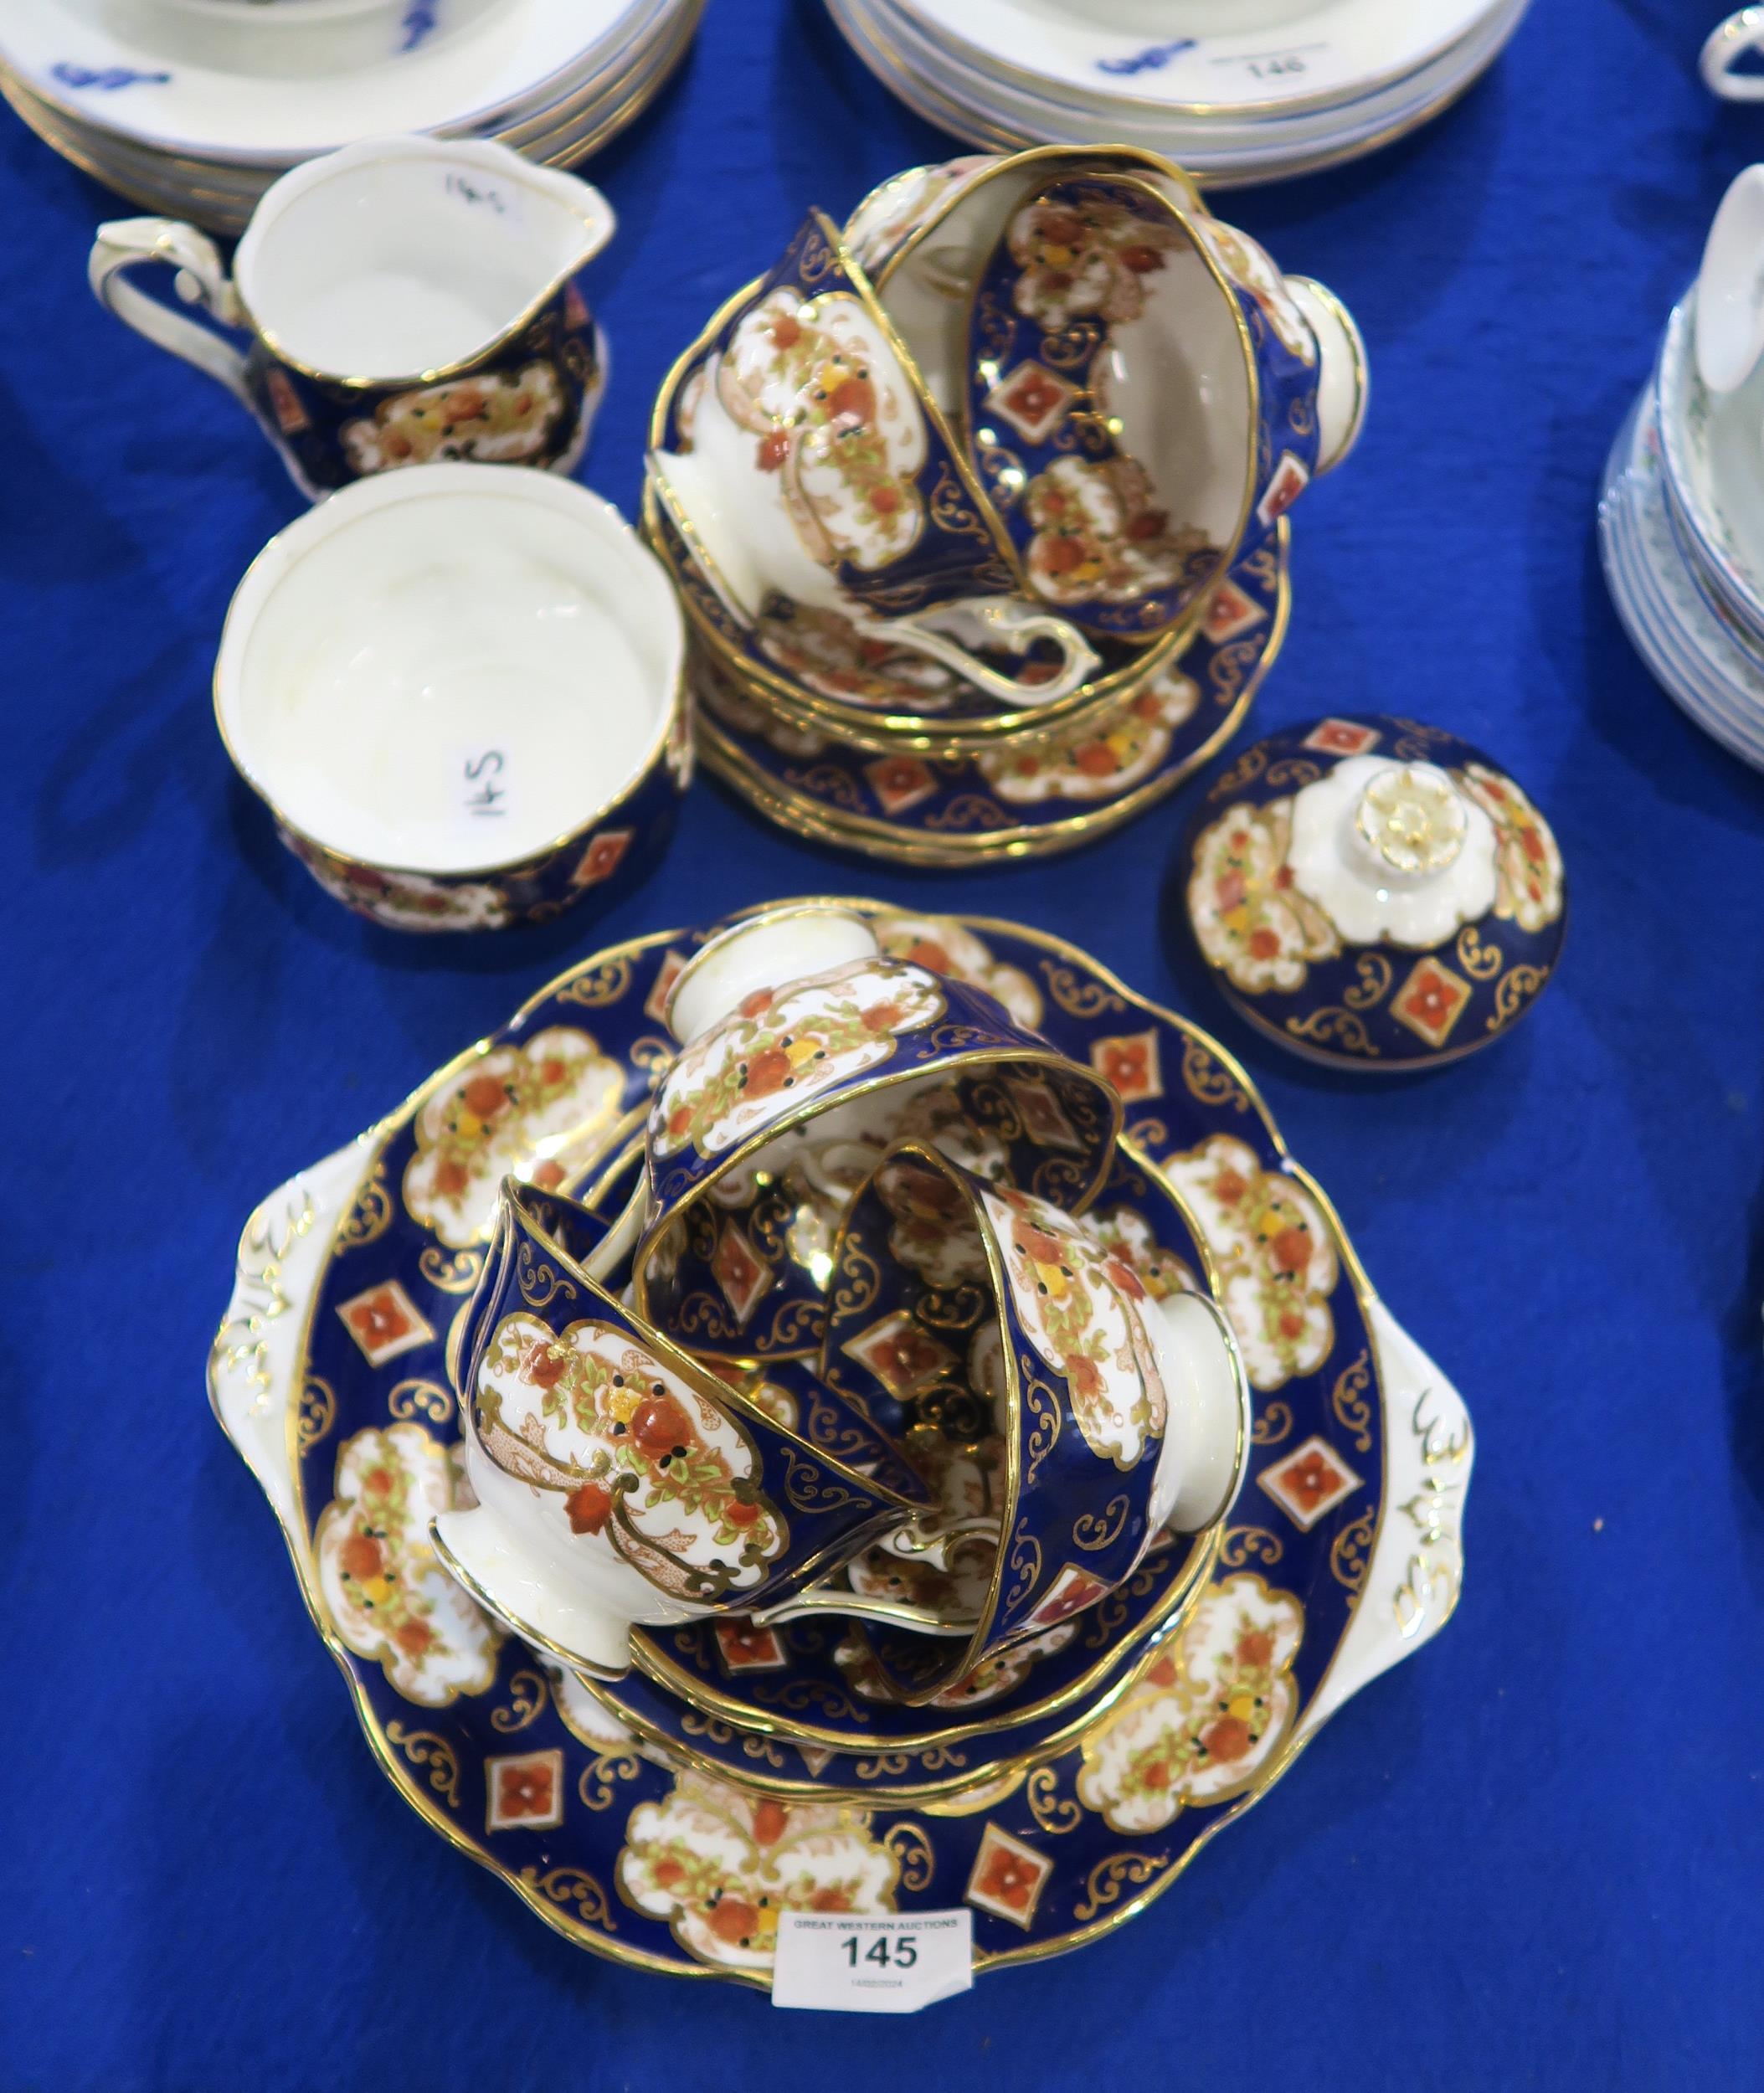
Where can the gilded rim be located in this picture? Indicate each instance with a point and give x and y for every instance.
(654, 757)
(523, 171)
(958, 122)
(918, 731)
(807, 818)
(951, 1066)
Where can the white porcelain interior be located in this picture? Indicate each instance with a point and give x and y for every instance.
(1729, 329)
(1369, 900)
(446, 669)
(1176, 381)
(766, 951)
(927, 293)
(1207, 1436)
(402, 256)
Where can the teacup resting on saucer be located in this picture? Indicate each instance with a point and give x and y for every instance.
(806, 1054)
(1096, 1418)
(399, 301)
(618, 1482)
(812, 468)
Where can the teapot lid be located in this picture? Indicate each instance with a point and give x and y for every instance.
(1374, 893)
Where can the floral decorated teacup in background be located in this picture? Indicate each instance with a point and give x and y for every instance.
(461, 693)
(810, 466)
(618, 1482)
(402, 301)
(1069, 303)
(1096, 1418)
(807, 1053)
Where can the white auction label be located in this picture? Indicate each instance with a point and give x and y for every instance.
(889, 1965)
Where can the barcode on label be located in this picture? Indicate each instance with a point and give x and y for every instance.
(894, 1964)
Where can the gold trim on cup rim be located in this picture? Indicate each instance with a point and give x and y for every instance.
(418, 1797)
(538, 179)
(418, 482)
(887, 731)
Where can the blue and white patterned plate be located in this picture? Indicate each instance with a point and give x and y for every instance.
(328, 1374)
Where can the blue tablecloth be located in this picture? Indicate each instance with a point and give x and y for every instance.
(1532, 1857)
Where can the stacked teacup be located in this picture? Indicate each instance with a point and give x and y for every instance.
(959, 493)
(1681, 515)
(835, 1338)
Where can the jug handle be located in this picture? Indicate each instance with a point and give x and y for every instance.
(124, 244)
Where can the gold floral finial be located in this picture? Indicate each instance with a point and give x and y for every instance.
(1412, 817)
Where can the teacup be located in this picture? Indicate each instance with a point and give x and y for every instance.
(461, 693)
(1235, 402)
(1730, 309)
(1096, 1419)
(1123, 486)
(819, 471)
(807, 1053)
(618, 1484)
(403, 300)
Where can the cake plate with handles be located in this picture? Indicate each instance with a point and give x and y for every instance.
(328, 1374)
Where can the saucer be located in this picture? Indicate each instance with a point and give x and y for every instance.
(1682, 633)
(494, 71)
(1317, 55)
(1710, 447)
(1052, 793)
(328, 1376)
(1222, 146)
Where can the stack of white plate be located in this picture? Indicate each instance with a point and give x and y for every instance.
(1237, 90)
(1681, 527)
(193, 107)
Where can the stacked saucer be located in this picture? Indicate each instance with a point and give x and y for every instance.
(1238, 90)
(193, 107)
(1682, 514)
(978, 507)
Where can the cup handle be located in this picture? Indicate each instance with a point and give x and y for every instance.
(1741, 35)
(816, 1600)
(1344, 377)
(914, 1543)
(1009, 622)
(123, 244)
